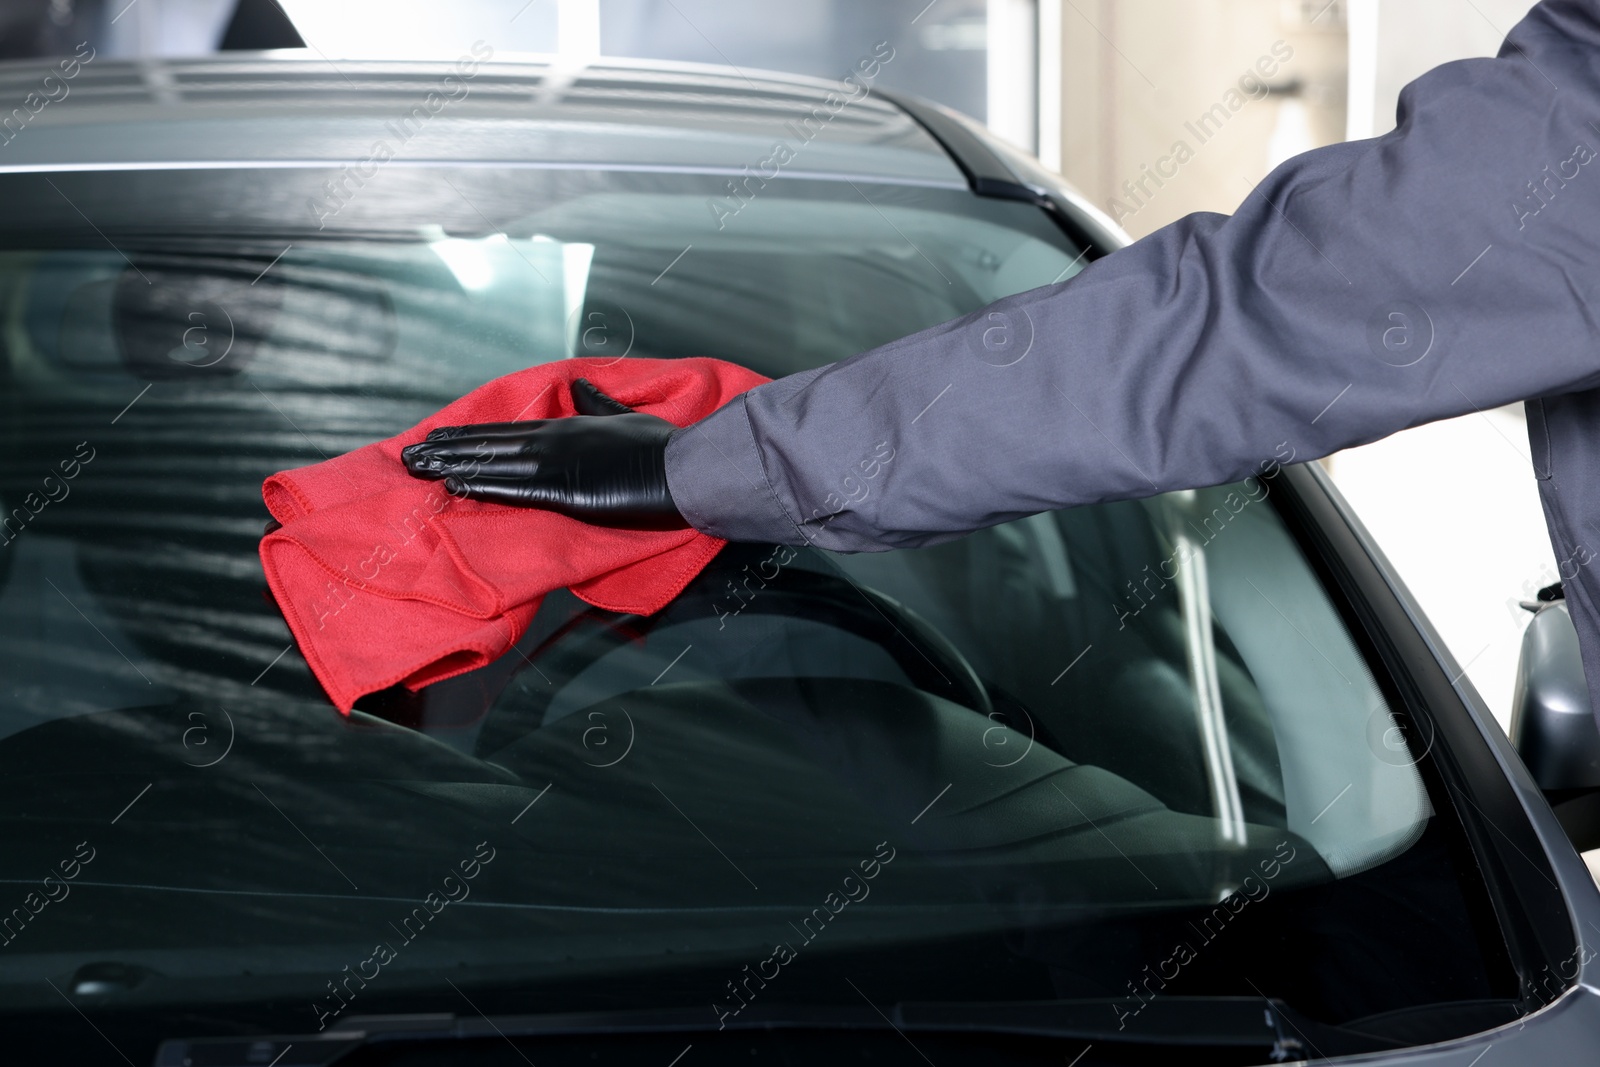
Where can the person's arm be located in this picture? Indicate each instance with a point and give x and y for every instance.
(1448, 266)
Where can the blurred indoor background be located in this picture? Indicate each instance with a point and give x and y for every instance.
(1104, 91)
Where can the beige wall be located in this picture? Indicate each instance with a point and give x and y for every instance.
(1135, 72)
(1138, 75)
(1411, 37)
(1453, 504)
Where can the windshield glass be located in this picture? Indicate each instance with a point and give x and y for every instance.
(1113, 753)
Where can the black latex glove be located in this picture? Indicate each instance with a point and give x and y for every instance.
(606, 465)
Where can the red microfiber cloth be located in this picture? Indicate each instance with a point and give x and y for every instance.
(385, 578)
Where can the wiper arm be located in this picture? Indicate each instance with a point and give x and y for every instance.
(1241, 1022)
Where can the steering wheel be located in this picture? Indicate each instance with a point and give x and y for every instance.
(928, 659)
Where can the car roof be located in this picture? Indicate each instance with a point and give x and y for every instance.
(293, 109)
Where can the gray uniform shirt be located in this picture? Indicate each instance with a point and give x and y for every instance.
(1449, 266)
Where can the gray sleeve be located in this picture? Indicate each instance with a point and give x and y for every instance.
(1362, 288)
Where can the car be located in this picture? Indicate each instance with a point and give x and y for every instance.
(1187, 779)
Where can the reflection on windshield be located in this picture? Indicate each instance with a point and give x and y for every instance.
(1077, 751)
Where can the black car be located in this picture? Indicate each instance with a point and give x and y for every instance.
(1181, 780)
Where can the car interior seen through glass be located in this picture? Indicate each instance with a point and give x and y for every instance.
(1109, 754)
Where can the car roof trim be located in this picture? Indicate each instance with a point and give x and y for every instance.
(465, 164)
(986, 173)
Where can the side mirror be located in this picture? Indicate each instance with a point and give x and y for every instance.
(1553, 727)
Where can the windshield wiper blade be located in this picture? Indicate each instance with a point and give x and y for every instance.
(1178, 1021)
(1174, 1021)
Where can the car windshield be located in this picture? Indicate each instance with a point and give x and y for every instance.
(1115, 753)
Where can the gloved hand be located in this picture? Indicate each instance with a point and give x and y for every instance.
(606, 465)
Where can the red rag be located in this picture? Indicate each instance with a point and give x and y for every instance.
(385, 578)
